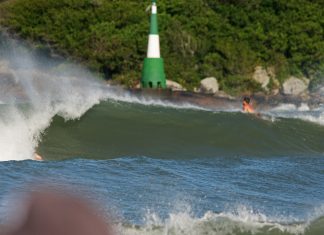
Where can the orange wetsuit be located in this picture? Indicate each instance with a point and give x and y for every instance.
(247, 107)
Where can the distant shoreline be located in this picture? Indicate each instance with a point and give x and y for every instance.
(243, 49)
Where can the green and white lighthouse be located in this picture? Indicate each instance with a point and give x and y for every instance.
(153, 75)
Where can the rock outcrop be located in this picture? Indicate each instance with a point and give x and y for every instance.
(295, 86)
(174, 86)
(209, 85)
(261, 76)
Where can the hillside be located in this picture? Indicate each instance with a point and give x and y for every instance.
(226, 39)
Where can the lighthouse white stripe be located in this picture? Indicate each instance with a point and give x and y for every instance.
(154, 9)
(153, 50)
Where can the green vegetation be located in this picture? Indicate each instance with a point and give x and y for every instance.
(199, 38)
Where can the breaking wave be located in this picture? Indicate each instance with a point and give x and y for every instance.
(243, 221)
(32, 94)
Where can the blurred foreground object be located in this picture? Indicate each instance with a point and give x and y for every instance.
(49, 213)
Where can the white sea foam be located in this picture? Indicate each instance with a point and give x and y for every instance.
(32, 96)
(303, 112)
(121, 95)
(242, 220)
(22, 125)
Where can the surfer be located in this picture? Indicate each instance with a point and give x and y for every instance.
(247, 107)
(38, 157)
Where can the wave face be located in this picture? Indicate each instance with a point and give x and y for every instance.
(120, 129)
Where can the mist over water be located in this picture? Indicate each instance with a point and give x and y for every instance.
(32, 94)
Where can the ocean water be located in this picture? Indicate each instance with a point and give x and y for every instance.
(158, 167)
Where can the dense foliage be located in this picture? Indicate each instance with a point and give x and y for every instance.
(199, 38)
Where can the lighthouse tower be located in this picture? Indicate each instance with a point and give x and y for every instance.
(153, 75)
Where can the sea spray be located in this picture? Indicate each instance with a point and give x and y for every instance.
(240, 221)
(303, 112)
(34, 95)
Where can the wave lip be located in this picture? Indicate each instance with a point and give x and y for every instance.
(302, 112)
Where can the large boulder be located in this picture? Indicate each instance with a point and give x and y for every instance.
(275, 88)
(295, 86)
(174, 86)
(261, 76)
(209, 85)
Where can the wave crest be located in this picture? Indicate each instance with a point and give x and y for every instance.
(242, 221)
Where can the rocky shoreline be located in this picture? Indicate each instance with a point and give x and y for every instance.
(294, 90)
(219, 101)
(208, 95)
